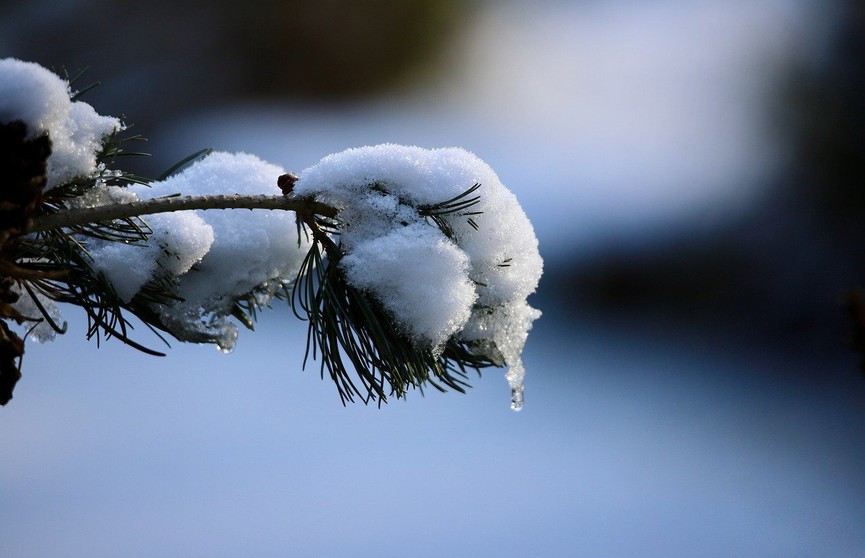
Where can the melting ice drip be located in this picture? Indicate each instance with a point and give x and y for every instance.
(516, 375)
(511, 334)
(516, 379)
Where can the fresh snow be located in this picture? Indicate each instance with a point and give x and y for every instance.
(177, 242)
(473, 286)
(41, 99)
(251, 251)
(213, 257)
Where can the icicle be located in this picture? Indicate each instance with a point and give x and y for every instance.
(516, 380)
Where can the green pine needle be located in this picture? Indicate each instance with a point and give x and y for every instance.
(357, 341)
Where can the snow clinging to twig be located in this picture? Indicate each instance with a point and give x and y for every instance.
(471, 282)
(41, 100)
(253, 253)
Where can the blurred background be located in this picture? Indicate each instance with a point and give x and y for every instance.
(694, 171)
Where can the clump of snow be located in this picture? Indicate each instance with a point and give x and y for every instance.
(394, 264)
(177, 241)
(212, 257)
(248, 252)
(41, 99)
(471, 284)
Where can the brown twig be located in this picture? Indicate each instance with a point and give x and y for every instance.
(82, 216)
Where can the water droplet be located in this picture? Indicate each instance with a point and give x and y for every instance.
(517, 399)
(516, 380)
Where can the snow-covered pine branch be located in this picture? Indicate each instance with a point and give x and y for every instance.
(83, 216)
(412, 266)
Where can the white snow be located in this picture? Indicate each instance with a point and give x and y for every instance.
(415, 264)
(473, 285)
(250, 251)
(177, 241)
(40, 99)
(213, 257)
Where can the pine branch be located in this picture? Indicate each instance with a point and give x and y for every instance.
(350, 331)
(83, 216)
(54, 250)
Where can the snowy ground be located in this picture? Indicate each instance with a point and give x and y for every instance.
(609, 120)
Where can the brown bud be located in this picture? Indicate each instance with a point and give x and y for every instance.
(286, 183)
